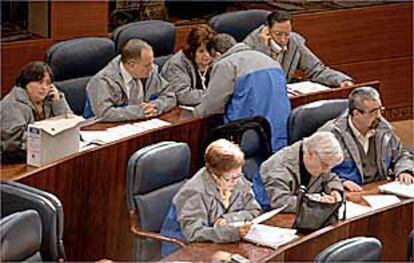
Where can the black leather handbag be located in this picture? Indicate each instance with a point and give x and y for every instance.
(312, 215)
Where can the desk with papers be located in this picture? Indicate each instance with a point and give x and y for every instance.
(391, 224)
(91, 183)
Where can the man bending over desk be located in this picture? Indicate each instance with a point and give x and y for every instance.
(371, 149)
(129, 87)
(307, 162)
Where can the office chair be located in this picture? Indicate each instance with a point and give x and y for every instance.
(303, 121)
(74, 62)
(16, 197)
(357, 249)
(239, 23)
(159, 34)
(154, 174)
(21, 236)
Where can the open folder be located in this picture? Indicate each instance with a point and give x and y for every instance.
(268, 236)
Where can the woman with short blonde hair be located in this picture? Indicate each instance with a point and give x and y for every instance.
(217, 196)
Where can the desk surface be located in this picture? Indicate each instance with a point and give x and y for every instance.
(91, 184)
(391, 225)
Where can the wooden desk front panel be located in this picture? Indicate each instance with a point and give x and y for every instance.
(391, 225)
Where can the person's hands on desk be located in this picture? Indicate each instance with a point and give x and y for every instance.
(405, 178)
(351, 186)
(346, 84)
(150, 110)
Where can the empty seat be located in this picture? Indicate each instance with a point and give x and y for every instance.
(155, 173)
(21, 237)
(357, 249)
(17, 197)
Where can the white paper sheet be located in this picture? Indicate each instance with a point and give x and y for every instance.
(399, 189)
(380, 201)
(353, 210)
(270, 236)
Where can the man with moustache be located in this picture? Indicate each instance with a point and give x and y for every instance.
(372, 151)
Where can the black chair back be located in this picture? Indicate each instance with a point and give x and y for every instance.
(75, 93)
(303, 121)
(159, 34)
(74, 62)
(79, 57)
(17, 197)
(155, 173)
(357, 249)
(239, 23)
(21, 237)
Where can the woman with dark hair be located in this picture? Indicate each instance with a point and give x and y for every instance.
(188, 71)
(34, 98)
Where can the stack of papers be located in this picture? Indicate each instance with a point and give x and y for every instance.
(353, 210)
(380, 201)
(397, 188)
(270, 236)
(305, 87)
(119, 132)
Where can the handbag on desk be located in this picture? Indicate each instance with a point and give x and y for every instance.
(312, 215)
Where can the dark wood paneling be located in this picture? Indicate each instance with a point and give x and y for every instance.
(395, 75)
(17, 54)
(71, 19)
(358, 34)
(181, 36)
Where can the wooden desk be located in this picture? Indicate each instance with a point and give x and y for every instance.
(391, 225)
(91, 184)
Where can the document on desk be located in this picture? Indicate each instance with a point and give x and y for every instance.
(119, 132)
(380, 201)
(353, 209)
(265, 216)
(305, 87)
(270, 236)
(397, 188)
(98, 137)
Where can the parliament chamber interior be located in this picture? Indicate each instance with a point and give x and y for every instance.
(110, 197)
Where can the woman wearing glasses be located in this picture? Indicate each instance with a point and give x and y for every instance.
(208, 205)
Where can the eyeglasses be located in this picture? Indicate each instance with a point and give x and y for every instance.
(146, 66)
(280, 34)
(324, 164)
(374, 111)
(233, 178)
